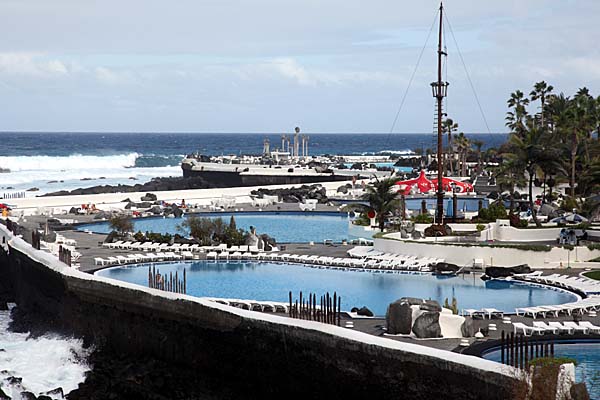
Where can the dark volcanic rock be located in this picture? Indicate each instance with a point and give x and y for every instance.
(444, 267)
(178, 212)
(467, 329)
(156, 184)
(3, 306)
(149, 197)
(413, 301)
(295, 195)
(58, 392)
(3, 396)
(399, 318)
(431, 305)
(28, 396)
(427, 325)
(365, 312)
(579, 391)
(342, 189)
(502, 272)
(13, 380)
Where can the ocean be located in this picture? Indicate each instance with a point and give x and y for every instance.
(51, 161)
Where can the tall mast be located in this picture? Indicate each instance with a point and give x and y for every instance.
(439, 90)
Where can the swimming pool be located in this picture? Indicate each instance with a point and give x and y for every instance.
(273, 281)
(587, 354)
(285, 227)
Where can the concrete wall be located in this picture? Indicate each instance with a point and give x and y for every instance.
(260, 355)
(463, 255)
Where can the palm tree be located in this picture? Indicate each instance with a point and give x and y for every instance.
(540, 91)
(509, 175)
(449, 127)
(529, 151)
(382, 198)
(515, 119)
(463, 146)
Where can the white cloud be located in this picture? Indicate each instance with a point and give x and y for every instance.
(31, 64)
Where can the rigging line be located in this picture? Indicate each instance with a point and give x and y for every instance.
(467, 73)
(411, 79)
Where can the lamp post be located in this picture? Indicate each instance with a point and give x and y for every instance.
(439, 90)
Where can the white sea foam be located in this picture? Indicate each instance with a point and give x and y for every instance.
(66, 163)
(38, 171)
(44, 363)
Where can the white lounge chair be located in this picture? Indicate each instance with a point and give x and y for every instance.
(545, 326)
(491, 312)
(527, 329)
(101, 261)
(561, 327)
(575, 327)
(591, 327)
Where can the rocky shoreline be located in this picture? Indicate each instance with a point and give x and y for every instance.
(155, 185)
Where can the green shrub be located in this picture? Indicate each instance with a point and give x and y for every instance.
(423, 219)
(480, 227)
(208, 231)
(121, 223)
(492, 213)
(546, 361)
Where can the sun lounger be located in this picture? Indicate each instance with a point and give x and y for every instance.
(212, 254)
(113, 260)
(101, 261)
(187, 255)
(473, 313)
(591, 327)
(575, 327)
(561, 327)
(525, 329)
(545, 327)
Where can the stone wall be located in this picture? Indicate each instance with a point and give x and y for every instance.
(259, 355)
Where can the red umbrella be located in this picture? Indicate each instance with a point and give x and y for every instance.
(459, 187)
(423, 184)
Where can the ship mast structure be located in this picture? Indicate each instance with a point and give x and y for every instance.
(439, 90)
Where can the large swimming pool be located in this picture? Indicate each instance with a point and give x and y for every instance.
(587, 354)
(285, 227)
(273, 281)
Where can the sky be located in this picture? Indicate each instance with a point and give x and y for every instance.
(270, 65)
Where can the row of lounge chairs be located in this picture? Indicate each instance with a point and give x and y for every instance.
(574, 283)
(398, 263)
(148, 257)
(253, 305)
(554, 327)
(489, 312)
(177, 247)
(586, 305)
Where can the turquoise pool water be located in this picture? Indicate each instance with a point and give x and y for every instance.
(273, 281)
(285, 227)
(587, 369)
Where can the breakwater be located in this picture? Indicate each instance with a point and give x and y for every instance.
(255, 355)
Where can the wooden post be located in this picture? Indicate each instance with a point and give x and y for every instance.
(184, 282)
(502, 347)
(339, 321)
(531, 351)
(512, 349)
(334, 307)
(290, 309)
(521, 358)
(526, 353)
(552, 349)
(301, 304)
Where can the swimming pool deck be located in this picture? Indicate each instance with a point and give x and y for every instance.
(89, 245)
